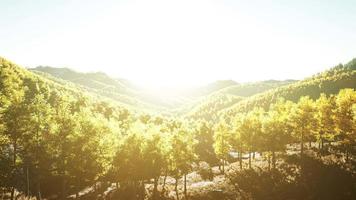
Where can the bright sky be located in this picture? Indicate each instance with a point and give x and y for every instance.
(180, 43)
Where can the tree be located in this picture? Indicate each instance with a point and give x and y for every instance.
(236, 140)
(205, 141)
(275, 129)
(89, 153)
(345, 122)
(182, 155)
(12, 116)
(62, 138)
(250, 129)
(38, 125)
(155, 155)
(303, 121)
(129, 159)
(221, 142)
(326, 119)
(14, 121)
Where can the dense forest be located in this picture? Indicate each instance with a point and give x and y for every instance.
(60, 138)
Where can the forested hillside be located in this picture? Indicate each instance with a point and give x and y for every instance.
(328, 82)
(249, 89)
(208, 107)
(119, 90)
(214, 96)
(125, 92)
(62, 141)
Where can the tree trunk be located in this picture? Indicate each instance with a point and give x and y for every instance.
(347, 155)
(39, 190)
(28, 182)
(253, 155)
(185, 187)
(14, 165)
(302, 155)
(273, 160)
(164, 181)
(240, 159)
(302, 146)
(223, 166)
(2, 194)
(12, 193)
(63, 189)
(269, 162)
(249, 160)
(176, 188)
(143, 190)
(155, 184)
(310, 144)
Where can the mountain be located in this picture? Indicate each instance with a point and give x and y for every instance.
(249, 89)
(207, 101)
(50, 126)
(126, 92)
(209, 106)
(329, 82)
(16, 78)
(211, 88)
(181, 101)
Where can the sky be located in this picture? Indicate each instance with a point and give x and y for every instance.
(164, 43)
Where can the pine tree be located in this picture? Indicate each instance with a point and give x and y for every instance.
(182, 155)
(326, 119)
(304, 121)
(250, 129)
(222, 146)
(275, 129)
(345, 122)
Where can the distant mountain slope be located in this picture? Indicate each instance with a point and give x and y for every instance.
(249, 89)
(14, 75)
(106, 93)
(208, 107)
(211, 88)
(99, 83)
(328, 82)
(97, 80)
(126, 92)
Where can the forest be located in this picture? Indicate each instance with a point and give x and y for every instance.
(93, 138)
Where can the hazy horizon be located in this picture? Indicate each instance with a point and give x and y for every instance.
(181, 43)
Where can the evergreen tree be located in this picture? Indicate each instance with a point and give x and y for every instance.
(345, 122)
(222, 146)
(326, 119)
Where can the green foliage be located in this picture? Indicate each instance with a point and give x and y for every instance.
(205, 140)
(57, 139)
(221, 145)
(328, 82)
